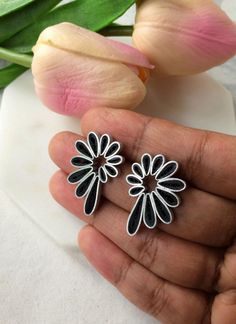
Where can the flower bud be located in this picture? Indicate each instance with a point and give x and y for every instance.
(75, 69)
(183, 37)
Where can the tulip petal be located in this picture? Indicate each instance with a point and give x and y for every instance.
(184, 37)
(79, 40)
(71, 84)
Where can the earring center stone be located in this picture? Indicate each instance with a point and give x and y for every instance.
(98, 162)
(149, 183)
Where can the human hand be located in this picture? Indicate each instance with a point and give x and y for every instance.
(180, 273)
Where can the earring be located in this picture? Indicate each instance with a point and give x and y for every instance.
(155, 187)
(97, 161)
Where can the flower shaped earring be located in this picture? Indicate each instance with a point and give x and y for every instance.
(97, 162)
(154, 186)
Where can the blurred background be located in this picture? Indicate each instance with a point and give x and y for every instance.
(225, 74)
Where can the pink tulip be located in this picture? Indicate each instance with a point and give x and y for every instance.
(75, 69)
(184, 36)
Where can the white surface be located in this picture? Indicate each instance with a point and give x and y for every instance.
(43, 276)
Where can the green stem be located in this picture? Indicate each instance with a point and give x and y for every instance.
(117, 30)
(14, 57)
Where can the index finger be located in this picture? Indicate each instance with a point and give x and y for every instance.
(208, 159)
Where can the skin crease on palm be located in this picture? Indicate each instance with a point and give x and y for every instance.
(182, 273)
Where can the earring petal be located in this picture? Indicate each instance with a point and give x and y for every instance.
(93, 197)
(83, 186)
(163, 212)
(135, 216)
(150, 219)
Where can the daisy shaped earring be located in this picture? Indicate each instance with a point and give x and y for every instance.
(96, 162)
(154, 185)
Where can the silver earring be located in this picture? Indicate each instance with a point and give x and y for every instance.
(97, 161)
(154, 185)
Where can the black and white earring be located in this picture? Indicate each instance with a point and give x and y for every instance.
(97, 161)
(154, 185)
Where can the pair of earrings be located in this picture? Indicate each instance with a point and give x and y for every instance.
(152, 181)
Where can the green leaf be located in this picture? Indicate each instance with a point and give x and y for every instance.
(91, 14)
(14, 22)
(7, 6)
(10, 73)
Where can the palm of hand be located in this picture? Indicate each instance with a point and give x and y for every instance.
(184, 272)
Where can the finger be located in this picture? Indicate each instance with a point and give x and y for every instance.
(166, 302)
(207, 159)
(224, 308)
(179, 261)
(227, 274)
(202, 217)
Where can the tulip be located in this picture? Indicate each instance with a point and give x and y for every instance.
(75, 69)
(182, 37)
